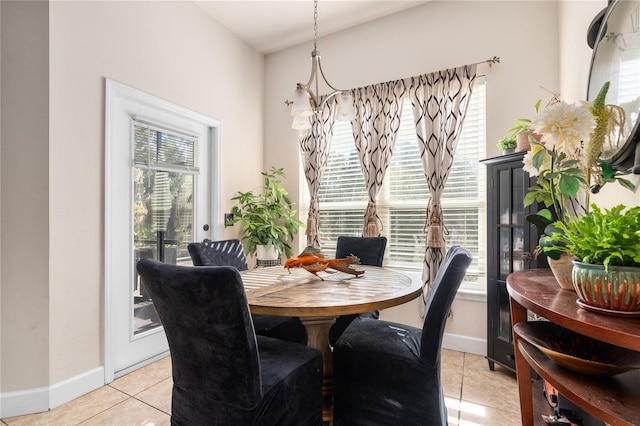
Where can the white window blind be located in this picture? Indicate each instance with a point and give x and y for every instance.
(403, 199)
(160, 148)
(165, 172)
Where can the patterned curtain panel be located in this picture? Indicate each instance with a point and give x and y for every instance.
(439, 103)
(375, 127)
(314, 148)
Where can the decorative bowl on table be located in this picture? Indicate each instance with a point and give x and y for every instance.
(577, 352)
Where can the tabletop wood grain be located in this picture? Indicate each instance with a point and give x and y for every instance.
(278, 291)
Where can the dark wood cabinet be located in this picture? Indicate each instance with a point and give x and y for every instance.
(511, 242)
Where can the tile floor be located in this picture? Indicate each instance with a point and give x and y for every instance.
(474, 396)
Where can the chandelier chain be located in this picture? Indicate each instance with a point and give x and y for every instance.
(307, 99)
(315, 24)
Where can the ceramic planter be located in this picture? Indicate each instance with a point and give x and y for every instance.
(263, 254)
(617, 289)
(562, 270)
(522, 139)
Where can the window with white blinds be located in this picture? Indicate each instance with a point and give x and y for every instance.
(165, 170)
(158, 147)
(403, 199)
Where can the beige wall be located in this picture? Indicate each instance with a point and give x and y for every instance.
(24, 248)
(53, 167)
(0, 195)
(170, 50)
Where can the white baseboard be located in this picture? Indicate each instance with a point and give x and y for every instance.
(42, 399)
(28, 401)
(72, 388)
(472, 345)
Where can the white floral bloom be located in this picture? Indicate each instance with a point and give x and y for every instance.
(527, 166)
(564, 126)
(527, 161)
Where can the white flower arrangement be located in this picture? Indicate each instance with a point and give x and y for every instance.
(567, 162)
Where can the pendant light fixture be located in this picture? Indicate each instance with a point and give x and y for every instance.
(306, 102)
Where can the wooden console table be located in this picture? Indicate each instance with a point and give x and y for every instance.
(614, 400)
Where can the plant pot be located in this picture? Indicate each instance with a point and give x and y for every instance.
(562, 270)
(262, 253)
(508, 151)
(522, 139)
(614, 290)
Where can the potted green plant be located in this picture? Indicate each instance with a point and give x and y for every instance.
(507, 144)
(522, 133)
(606, 245)
(267, 217)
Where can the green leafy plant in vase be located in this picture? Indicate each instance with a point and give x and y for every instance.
(507, 144)
(522, 133)
(267, 217)
(606, 245)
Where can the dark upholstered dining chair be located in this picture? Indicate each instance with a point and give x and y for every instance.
(370, 250)
(389, 374)
(223, 374)
(218, 253)
(230, 253)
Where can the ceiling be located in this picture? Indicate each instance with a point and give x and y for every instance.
(269, 26)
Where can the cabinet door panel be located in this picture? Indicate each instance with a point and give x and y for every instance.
(510, 242)
(505, 252)
(518, 191)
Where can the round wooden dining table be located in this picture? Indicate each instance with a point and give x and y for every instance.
(276, 290)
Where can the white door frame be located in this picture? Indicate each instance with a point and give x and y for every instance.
(121, 104)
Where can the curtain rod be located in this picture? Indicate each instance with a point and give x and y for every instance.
(492, 62)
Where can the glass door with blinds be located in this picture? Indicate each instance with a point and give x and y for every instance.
(165, 167)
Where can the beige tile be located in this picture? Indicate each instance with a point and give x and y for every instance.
(451, 375)
(73, 412)
(158, 396)
(130, 413)
(452, 357)
(497, 389)
(472, 414)
(453, 410)
(477, 362)
(144, 378)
